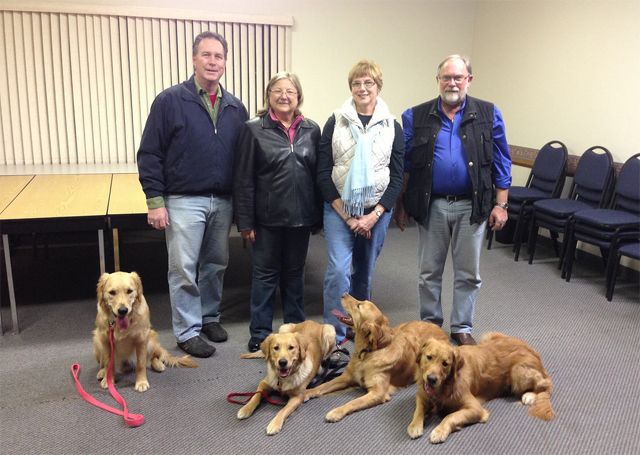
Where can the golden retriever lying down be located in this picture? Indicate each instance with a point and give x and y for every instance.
(293, 358)
(457, 380)
(122, 305)
(384, 358)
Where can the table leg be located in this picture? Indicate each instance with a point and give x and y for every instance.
(101, 248)
(116, 250)
(12, 295)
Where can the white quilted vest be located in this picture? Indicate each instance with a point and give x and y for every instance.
(382, 127)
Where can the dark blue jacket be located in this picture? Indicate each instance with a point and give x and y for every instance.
(182, 151)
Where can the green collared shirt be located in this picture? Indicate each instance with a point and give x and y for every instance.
(204, 96)
(158, 201)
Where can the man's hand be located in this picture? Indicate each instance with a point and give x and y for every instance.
(158, 218)
(249, 235)
(498, 218)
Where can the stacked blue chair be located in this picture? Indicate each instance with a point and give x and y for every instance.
(630, 250)
(545, 181)
(607, 228)
(591, 188)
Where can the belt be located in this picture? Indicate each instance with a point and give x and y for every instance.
(453, 197)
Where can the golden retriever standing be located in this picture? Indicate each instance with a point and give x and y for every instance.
(457, 380)
(122, 305)
(384, 358)
(294, 355)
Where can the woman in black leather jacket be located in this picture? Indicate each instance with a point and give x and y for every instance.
(276, 202)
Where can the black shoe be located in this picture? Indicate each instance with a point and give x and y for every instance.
(215, 332)
(338, 359)
(254, 344)
(463, 338)
(350, 335)
(197, 347)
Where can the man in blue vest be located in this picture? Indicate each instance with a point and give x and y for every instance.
(185, 162)
(458, 174)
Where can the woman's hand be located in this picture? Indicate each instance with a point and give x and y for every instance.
(249, 235)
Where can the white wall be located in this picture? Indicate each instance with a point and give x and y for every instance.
(562, 70)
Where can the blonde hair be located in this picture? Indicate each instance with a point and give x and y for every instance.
(366, 68)
(278, 77)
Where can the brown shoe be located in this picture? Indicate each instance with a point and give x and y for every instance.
(463, 338)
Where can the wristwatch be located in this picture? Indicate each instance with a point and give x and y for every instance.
(378, 212)
(504, 205)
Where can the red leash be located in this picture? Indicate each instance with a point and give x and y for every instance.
(265, 395)
(131, 420)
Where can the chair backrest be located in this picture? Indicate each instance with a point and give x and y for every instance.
(594, 177)
(627, 195)
(549, 169)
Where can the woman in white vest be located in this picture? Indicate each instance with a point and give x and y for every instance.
(360, 166)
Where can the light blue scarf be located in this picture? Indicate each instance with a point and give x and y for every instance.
(359, 185)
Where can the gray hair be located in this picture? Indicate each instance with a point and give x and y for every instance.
(463, 59)
(278, 77)
(210, 35)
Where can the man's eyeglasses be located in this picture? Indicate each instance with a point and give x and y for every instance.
(365, 84)
(457, 78)
(279, 92)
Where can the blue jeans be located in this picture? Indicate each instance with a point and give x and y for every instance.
(448, 224)
(279, 254)
(351, 261)
(198, 248)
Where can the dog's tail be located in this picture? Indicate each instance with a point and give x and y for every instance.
(253, 355)
(542, 409)
(186, 361)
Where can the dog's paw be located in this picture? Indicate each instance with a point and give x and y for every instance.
(142, 386)
(528, 398)
(438, 435)
(485, 416)
(104, 384)
(245, 412)
(335, 415)
(101, 374)
(157, 365)
(415, 431)
(274, 428)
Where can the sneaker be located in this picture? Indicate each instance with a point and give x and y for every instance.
(254, 344)
(197, 347)
(215, 332)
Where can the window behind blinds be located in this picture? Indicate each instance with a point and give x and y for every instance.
(76, 87)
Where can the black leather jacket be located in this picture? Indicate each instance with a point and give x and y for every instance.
(475, 132)
(274, 180)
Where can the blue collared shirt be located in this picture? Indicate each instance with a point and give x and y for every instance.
(450, 175)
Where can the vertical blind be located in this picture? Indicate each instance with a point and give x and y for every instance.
(76, 88)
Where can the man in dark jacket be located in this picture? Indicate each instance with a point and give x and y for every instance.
(185, 162)
(459, 173)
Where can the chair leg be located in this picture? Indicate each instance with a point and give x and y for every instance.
(517, 236)
(565, 241)
(612, 273)
(554, 239)
(568, 260)
(533, 238)
(489, 237)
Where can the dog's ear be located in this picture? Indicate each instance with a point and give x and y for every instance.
(138, 284)
(265, 346)
(458, 361)
(377, 336)
(102, 282)
(303, 345)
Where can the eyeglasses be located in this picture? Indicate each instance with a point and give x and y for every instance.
(365, 84)
(279, 92)
(458, 79)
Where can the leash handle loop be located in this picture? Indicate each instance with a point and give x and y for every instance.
(131, 420)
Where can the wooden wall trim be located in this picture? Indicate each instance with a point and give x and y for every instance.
(525, 156)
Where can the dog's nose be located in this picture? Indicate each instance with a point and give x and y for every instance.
(122, 311)
(432, 379)
(282, 363)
